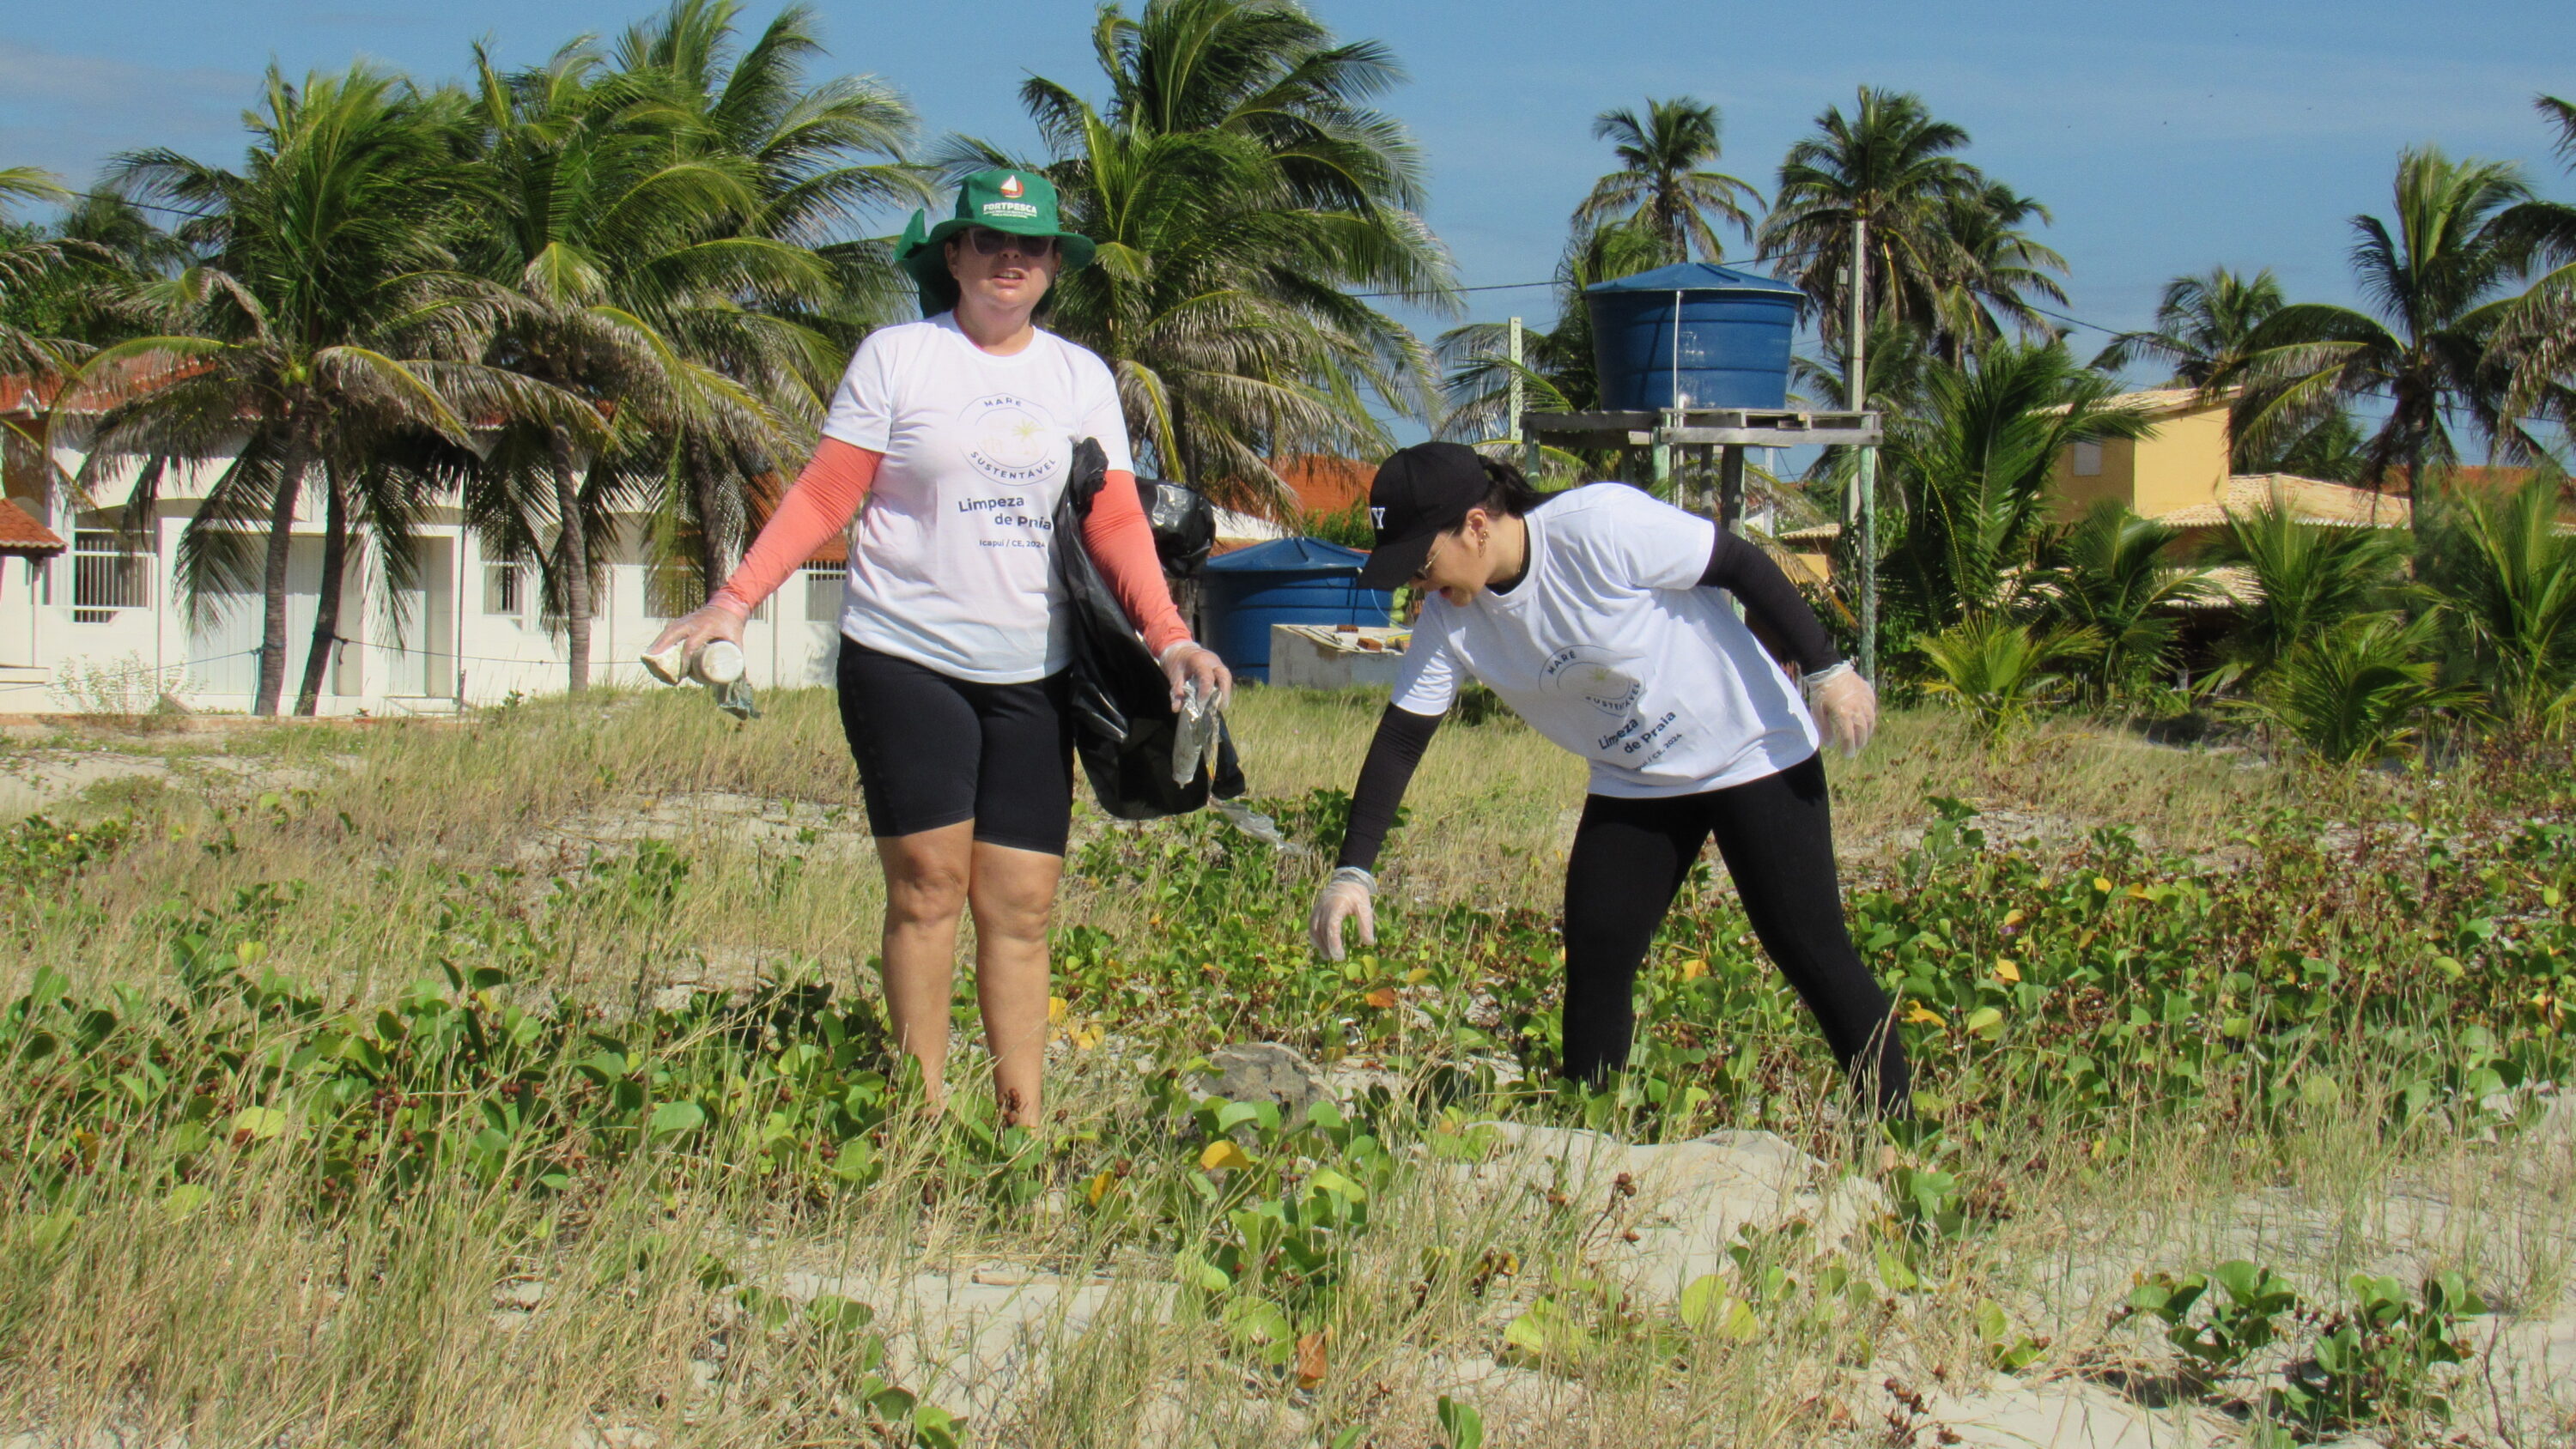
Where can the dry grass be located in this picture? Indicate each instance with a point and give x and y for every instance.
(471, 1317)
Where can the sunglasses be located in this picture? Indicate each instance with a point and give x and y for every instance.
(1422, 576)
(990, 243)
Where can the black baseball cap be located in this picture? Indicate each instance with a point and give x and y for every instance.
(1419, 494)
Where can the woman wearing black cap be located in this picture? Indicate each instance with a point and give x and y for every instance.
(1596, 614)
(956, 433)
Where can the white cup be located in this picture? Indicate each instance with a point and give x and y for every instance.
(720, 662)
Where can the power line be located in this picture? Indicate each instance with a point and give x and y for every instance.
(2077, 321)
(145, 205)
(1495, 287)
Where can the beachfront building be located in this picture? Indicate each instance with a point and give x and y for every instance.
(2177, 473)
(96, 621)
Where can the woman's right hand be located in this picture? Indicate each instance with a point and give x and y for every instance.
(693, 632)
(1349, 894)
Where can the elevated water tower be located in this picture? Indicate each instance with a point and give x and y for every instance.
(1696, 335)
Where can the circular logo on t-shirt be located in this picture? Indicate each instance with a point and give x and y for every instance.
(1010, 440)
(1594, 675)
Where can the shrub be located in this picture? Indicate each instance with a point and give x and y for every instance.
(2358, 692)
(2310, 577)
(2000, 672)
(2508, 575)
(2108, 574)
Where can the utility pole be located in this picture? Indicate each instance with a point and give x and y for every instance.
(1512, 418)
(1865, 479)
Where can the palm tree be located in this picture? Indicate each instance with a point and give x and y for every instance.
(1557, 368)
(1889, 164)
(637, 288)
(1972, 470)
(27, 345)
(2109, 575)
(1995, 271)
(819, 154)
(2537, 341)
(2435, 280)
(326, 317)
(1660, 186)
(1241, 190)
(2510, 579)
(2308, 577)
(2204, 327)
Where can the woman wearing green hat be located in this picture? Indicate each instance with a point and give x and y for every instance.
(957, 434)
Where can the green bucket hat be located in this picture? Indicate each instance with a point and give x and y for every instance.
(1019, 202)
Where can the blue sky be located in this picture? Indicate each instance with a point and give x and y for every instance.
(2166, 138)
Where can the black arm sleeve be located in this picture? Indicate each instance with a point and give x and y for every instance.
(1397, 747)
(1769, 599)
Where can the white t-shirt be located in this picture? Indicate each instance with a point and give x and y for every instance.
(1609, 647)
(951, 564)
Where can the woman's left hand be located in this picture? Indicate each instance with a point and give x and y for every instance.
(1188, 661)
(1845, 708)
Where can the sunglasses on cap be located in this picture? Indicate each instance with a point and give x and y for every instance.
(990, 243)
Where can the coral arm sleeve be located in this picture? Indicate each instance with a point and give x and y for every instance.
(825, 498)
(1121, 541)
(1392, 755)
(1772, 604)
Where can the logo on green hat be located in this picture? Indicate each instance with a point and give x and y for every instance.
(1010, 205)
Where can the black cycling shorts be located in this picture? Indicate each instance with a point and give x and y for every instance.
(933, 750)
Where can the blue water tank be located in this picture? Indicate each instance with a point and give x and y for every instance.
(1284, 581)
(1696, 335)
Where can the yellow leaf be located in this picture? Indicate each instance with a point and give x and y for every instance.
(1099, 1187)
(2006, 969)
(1086, 1037)
(1311, 1366)
(1222, 1154)
(1694, 968)
(1383, 998)
(2102, 883)
(2014, 917)
(1417, 975)
(1920, 1017)
(1057, 1006)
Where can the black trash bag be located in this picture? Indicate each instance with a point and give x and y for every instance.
(1184, 523)
(1123, 725)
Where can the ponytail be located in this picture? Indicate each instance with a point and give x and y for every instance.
(1507, 491)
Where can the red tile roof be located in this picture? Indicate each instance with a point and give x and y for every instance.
(22, 535)
(1325, 484)
(27, 393)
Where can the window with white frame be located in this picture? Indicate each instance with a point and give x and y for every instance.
(823, 586)
(505, 589)
(2088, 459)
(108, 573)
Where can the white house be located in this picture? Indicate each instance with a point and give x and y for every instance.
(100, 624)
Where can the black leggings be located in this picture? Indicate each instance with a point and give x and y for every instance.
(1776, 833)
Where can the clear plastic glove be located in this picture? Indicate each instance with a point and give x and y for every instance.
(1844, 706)
(675, 650)
(1188, 661)
(1349, 895)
